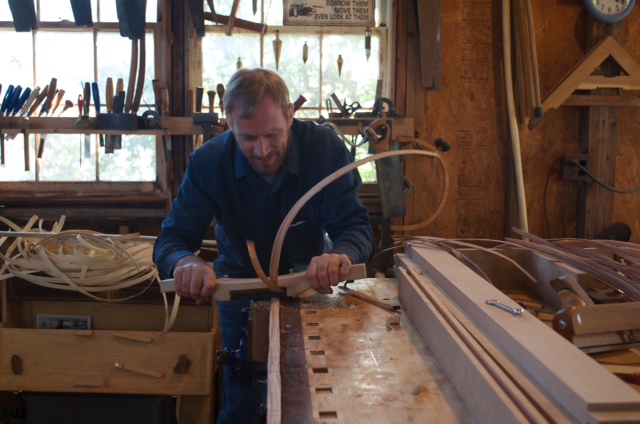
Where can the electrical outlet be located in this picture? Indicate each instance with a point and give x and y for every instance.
(570, 171)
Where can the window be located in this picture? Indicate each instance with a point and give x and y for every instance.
(74, 55)
(317, 79)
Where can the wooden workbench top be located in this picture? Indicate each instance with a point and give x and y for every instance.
(343, 360)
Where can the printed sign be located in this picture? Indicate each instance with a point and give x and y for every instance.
(329, 12)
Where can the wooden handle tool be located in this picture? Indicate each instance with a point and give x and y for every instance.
(294, 284)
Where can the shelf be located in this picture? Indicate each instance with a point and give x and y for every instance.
(65, 125)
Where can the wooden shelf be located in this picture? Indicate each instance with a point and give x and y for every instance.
(65, 125)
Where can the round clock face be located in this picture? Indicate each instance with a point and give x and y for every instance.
(609, 11)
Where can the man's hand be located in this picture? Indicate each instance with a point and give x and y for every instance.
(194, 278)
(327, 270)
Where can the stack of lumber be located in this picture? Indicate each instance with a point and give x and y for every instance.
(507, 367)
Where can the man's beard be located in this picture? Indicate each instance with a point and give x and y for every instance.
(275, 160)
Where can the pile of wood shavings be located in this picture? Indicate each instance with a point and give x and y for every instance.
(79, 260)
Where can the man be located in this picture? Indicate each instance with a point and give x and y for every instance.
(247, 179)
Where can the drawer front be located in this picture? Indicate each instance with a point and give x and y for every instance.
(106, 361)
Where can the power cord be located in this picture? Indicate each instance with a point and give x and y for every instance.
(600, 183)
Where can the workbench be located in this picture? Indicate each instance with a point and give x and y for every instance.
(344, 360)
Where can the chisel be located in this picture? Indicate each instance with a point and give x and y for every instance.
(96, 103)
(43, 137)
(21, 101)
(87, 104)
(7, 99)
(39, 100)
(32, 97)
(15, 96)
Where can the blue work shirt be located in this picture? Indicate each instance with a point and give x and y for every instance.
(220, 184)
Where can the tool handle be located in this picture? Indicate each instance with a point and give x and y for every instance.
(57, 101)
(7, 98)
(87, 98)
(21, 101)
(132, 75)
(96, 96)
(39, 100)
(164, 99)
(15, 96)
(32, 97)
(51, 94)
(212, 95)
(118, 102)
(199, 95)
(119, 85)
(109, 95)
(80, 104)
(220, 90)
(137, 97)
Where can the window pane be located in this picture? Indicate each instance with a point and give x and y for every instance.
(18, 65)
(70, 66)
(56, 11)
(68, 157)
(109, 12)
(14, 166)
(135, 161)
(358, 79)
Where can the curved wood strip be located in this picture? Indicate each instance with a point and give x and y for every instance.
(284, 227)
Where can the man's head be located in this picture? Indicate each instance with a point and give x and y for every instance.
(258, 109)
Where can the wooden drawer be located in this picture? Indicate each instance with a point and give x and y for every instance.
(101, 361)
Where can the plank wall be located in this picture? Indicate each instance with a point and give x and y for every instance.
(470, 112)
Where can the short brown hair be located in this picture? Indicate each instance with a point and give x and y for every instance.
(247, 88)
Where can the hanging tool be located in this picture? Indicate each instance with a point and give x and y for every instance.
(96, 104)
(132, 75)
(47, 106)
(135, 105)
(32, 97)
(38, 100)
(166, 139)
(108, 146)
(21, 101)
(43, 137)
(7, 99)
(299, 102)
(212, 95)
(220, 90)
(277, 48)
(205, 120)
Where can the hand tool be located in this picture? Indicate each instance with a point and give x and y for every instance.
(132, 75)
(87, 105)
(67, 105)
(299, 102)
(39, 100)
(369, 299)
(15, 96)
(135, 105)
(205, 120)
(294, 285)
(43, 137)
(514, 311)
(21, 101)
(580, 323)
(57, 101)
(109, 102)
(32, 97)
(220, 90)
(212, 96)
(7, 99)
(118, 108)
(343, 109)
(166, 139)
(96, 104)
(53, 84)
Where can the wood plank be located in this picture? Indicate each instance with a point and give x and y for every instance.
(494, 389)
(429, 30)
(567, 374)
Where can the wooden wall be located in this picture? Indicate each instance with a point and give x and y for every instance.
(470, 111)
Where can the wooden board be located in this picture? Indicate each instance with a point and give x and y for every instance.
(363, 367)
(587, 390)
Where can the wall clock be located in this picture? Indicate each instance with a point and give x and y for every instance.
(609, 11)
